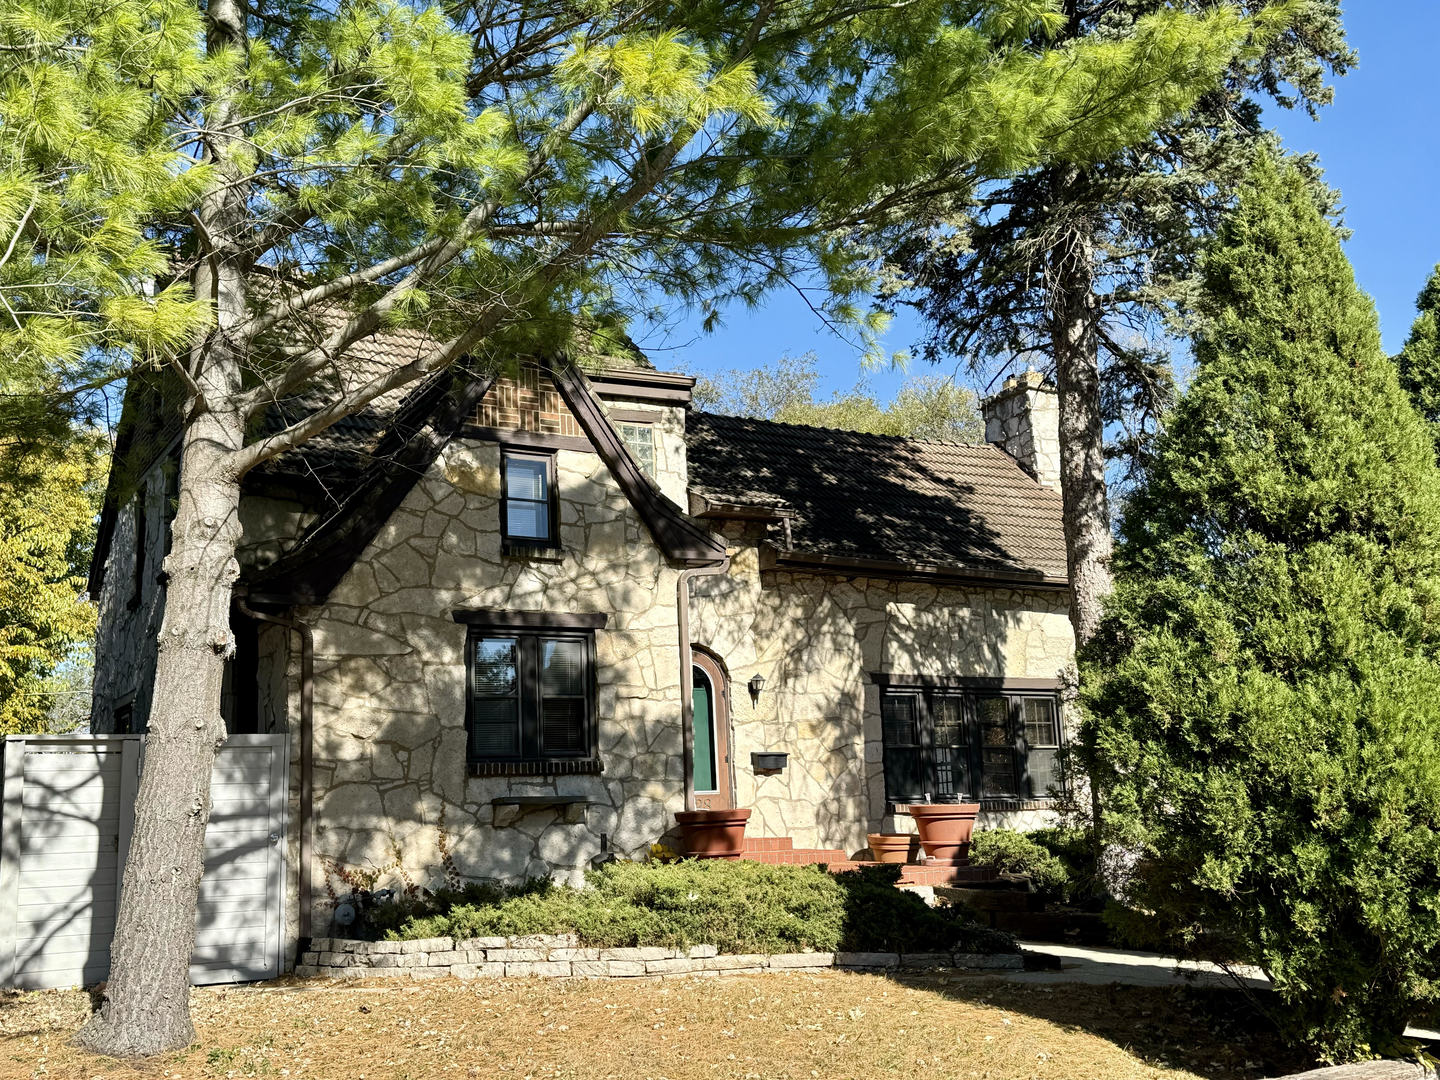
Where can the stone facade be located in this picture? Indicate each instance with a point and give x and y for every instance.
(391, 780)
(131, 606)
(815, 640)
(394, 798)
(1023, 419)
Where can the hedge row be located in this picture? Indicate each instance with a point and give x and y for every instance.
(740, 907)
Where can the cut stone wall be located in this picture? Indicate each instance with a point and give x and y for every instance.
(1023, 419)
(129, 622)
(391, 780)
(815, 639)
(561, 956)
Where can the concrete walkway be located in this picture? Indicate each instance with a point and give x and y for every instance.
(1100, 965)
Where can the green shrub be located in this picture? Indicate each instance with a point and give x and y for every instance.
(1264, 689)
(739, 907)
(1019, 853)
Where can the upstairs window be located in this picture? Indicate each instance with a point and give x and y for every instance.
(974, 744)
(639, 439)
(532, 701)
(528, 505)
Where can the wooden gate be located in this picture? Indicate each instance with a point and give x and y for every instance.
(65, 816)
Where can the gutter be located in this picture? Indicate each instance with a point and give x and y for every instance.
(687, 668)
(307, 755)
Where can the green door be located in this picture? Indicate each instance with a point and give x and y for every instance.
(712, 743)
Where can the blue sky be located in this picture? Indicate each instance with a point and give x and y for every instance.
(1379, 143)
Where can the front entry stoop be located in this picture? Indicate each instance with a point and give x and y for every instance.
(781, 851)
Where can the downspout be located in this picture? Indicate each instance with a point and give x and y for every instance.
(687, 669)
(307, 754)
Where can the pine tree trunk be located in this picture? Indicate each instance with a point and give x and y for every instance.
(146, 1007)
(1088, 540)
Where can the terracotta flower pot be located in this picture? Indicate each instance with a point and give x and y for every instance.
(891, 847)
(945, 830)
(713, 834)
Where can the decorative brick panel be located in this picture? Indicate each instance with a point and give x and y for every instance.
(527, 402)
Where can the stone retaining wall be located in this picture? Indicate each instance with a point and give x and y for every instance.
(561, 956)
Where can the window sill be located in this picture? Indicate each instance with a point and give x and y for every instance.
(550, 767)
(532, 554)
(1045, 803)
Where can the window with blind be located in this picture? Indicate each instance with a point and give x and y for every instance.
(528, 506)
(975, 744)
(532, 700)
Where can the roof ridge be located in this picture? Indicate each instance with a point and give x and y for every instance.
(848, 431)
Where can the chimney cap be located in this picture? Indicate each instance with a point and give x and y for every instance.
(1029, 379)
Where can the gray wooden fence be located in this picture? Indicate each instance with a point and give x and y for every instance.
(65, 815)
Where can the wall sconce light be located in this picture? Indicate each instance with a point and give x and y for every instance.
(756, 684)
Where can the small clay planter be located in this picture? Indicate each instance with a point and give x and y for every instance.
(891, 847)
(945, 830)
(713, 834)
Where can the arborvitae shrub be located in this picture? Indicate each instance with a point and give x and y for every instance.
(1265, 691)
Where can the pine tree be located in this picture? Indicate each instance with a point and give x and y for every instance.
(1083, 268)
(88, 161)
(1263, 689)
(493, 175)
(1419, 360)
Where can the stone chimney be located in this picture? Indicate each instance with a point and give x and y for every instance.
(1023, 419)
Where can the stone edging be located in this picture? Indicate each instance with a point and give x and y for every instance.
(561, 956)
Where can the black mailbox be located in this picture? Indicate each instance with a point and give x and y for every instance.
(768, 764)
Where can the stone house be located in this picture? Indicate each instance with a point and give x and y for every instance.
(479, 607)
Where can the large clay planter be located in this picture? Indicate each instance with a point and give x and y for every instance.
(713, 834)
(891, 847)
(945, 829)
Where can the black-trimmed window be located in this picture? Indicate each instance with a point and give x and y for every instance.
(974, 744)
(529, 508)
(531, 700)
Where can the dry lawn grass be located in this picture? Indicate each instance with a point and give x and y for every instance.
(742, 1028)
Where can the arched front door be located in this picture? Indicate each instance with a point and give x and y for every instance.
(712, 736)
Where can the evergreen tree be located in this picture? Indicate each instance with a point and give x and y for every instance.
(487, 174)
(1263, 689)
(87, 162)
(1419, 360)
(1081, 269)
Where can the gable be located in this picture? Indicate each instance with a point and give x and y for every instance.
(553, 395)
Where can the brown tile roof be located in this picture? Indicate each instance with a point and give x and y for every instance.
(961, 508)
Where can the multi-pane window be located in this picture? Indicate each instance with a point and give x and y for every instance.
(971, 744)
(528, 502)
(640, 440)
(531, 696)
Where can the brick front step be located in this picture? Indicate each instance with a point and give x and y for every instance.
(781, 851)
(792, 856)
(768, 843)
